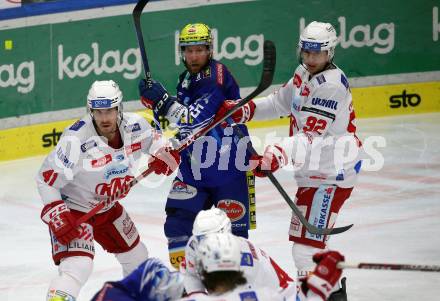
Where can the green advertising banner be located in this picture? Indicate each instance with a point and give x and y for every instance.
(50, 67)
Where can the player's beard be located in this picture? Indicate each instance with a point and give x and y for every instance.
(194, 68)
(106, 129)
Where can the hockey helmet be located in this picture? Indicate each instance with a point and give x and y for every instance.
(213, 220)
(319, 36)
(104, 94)
(195, 34)
(218, 252)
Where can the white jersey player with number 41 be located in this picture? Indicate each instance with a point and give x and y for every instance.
(95, 158)
(259, 269)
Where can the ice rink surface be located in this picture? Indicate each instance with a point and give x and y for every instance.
(395, 211)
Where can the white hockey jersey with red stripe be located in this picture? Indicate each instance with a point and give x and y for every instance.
(324, 146)
(83, 169)
(259, 269)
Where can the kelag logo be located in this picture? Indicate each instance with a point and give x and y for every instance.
(51, 139)
(23, 76)
(403, 100)
(249, 49)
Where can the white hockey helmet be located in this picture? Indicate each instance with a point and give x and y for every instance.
(213, 220)
(158, 282)
(319, 36)
(218, 252)
(104, 94)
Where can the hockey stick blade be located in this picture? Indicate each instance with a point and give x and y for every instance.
(269, 61)
(390, 266)
(137, 11)
(310, 228)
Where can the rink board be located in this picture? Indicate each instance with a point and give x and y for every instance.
(369, 102)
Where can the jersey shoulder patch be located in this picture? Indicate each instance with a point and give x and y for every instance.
(344, 81)
(77, 125)
(249, 295)
(320, 79)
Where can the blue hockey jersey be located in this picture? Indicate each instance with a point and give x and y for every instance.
(221, 157)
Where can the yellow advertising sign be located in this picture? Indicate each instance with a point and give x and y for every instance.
(369, 102)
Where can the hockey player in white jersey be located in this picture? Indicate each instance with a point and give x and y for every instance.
(95, 158)
(318, 100)
(258, 267)
(218, 264)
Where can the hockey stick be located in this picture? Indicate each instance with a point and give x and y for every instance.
(390, 266)
(310, 228)
(266, 80)
(137, 11)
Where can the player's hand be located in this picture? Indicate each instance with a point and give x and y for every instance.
(155, 97)
(273, 158)
(61, 222)
(242, 115)
(326, 274)
(165, 161)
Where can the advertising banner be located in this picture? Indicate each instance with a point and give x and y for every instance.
(51, 66)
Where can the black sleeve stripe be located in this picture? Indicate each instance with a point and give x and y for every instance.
(319, 112)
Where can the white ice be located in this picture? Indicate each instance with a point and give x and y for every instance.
(395, 211)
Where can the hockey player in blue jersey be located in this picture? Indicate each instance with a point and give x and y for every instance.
(214, 171)
(151, 281)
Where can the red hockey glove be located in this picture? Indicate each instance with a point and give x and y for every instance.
(60, 221)
(273, 158)
(326, 274)
(242, 115)
(165, 161)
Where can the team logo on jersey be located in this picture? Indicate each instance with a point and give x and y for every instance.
(326, 103)
(88, 145)
(115, 185)
(234, 209)
(77, 125)
(182, 191)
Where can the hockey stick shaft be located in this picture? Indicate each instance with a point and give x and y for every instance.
(266, 80)
(390, 266)
(137, 11)
(310, 228)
